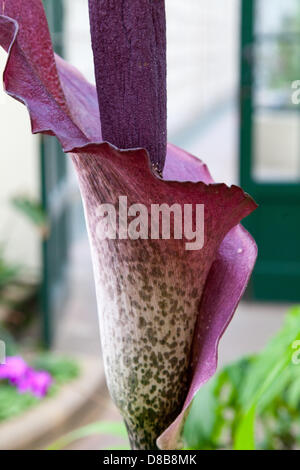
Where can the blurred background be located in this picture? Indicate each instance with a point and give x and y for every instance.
(231, 66)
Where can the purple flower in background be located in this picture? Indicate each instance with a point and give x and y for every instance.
(24, 378)
(35, 382)
(13, 370)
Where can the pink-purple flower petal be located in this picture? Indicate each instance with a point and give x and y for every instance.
(24, 378)
(14, 369)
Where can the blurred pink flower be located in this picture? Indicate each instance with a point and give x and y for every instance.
(26, 379)
(35, 382)
(14, 369)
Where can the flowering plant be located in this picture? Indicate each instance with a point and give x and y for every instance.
(162, 309)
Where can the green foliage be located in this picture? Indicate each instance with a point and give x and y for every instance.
(62, 369)
(13, 403)
(254, 403)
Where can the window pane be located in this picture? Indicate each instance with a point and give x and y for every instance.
(276, 145)
(277, 66)
(277, 16)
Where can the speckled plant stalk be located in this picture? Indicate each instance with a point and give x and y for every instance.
(162, 308)
(147, 314)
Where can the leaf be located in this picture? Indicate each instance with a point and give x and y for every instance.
(244, 438)
(293, 393)
(245, 433)
(116, 429)
(279, 354)
(265, 386)
(200, 423)
(214, 409)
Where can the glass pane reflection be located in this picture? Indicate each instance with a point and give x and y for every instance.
(276, 145)
(277, 16)
(277, 66)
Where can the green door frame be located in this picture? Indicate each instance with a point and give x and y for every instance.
(54, 195)
(275, 279)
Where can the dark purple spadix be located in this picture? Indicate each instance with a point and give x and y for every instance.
(129, 45)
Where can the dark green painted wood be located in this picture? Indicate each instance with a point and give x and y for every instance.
(54, 184)
(276, 223)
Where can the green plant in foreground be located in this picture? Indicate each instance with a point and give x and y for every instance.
(254, 403)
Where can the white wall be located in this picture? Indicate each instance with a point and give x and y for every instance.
(203, 42)
(276, 146)
(78, 49)
(19, 174)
